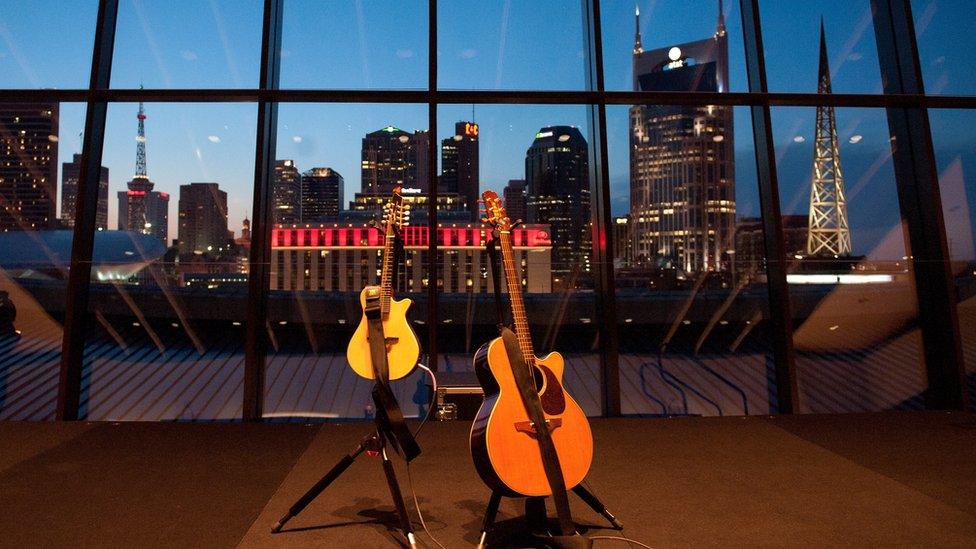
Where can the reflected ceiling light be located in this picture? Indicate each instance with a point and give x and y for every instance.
(403, 139)
(458, 137)
(297, 139)
(674, 53)
(564, 138)
(856, 138)
(52, 138)
(213, 138)
(718, 138)
(799, 139)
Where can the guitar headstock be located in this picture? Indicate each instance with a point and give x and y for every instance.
(396, 213)
(494, 211)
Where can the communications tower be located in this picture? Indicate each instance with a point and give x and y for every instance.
(828, 233)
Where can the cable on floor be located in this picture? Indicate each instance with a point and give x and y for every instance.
(413, 492)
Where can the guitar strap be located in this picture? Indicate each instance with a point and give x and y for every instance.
(525, 382)
(496, 280)
(387, 408)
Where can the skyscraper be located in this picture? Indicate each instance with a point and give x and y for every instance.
(392, 157)
(203, 218)
(141, 209)
(558, 194)
(459, 163)
(70, 172)
(28, 165)
(287, 193)
(829, 233)
(682, 172)
(322, 195)
(515, 199)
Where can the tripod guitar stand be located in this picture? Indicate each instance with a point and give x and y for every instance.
(390, 429)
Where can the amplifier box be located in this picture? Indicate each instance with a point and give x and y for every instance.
(458, 396)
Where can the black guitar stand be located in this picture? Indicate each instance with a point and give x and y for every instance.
(390, 428)
(535, 507)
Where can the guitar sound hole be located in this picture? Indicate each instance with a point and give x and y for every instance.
(539, 377)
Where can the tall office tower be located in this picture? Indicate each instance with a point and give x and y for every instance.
(287, 193)
(418, 157)
(515, 199)
(623, 242)
(70, 171)
(459, 163)
(829, 233)
(141, 209)
(392, 157)
(28, 166)
(558, 194)
(322, 195)
(203, 218)
(682, 171)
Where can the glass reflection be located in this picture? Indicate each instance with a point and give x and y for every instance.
(37, 142)
(856, 333)
(169, 293)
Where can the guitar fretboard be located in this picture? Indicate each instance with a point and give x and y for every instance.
(515, 295)
(386, 276)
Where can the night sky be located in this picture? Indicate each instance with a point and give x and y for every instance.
(511, 44)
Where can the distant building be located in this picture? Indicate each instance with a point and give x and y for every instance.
(28, 166)
(70, 172)
(392, 157)
(623, 242)
(682, 171)
(558, 195)
(322, 195)
(141, 209)
(365, 207)
(244, 241)
(346, 258)
(515, 199)
(459, 164)
(203, 219)
(750, 251)
(287, 193)
(144, 210)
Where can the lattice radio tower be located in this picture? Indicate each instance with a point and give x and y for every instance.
(141, 144)
(828, 233)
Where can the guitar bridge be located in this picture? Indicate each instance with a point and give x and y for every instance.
(529, 426)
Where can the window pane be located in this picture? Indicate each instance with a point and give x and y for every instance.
(792, 41)
(944, 29)
(692, 302)
(857, 340)
(188, 44)
(520, 45)
(701, 39)
(536, 158)
(952, 137)
(168, 297)
(37, 141)
(49, 51)
(336, 167)
(346, 44)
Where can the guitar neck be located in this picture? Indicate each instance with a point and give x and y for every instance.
(386, 276)
(515, 295)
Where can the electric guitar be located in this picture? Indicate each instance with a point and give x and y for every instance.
(402, 346)
(503, 443)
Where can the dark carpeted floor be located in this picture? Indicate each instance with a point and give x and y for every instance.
(876, 480)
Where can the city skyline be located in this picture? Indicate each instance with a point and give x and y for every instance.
(194, 54)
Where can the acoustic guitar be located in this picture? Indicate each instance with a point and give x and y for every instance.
(503, 444)
(402, 345)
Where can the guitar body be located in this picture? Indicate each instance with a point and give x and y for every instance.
(402, 347)
(505, 451)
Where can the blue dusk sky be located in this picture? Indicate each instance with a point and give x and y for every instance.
(505, 44)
